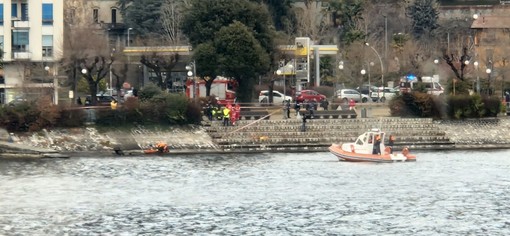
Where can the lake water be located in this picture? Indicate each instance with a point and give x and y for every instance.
(443, 193)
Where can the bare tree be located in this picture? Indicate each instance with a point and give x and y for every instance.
(85, 48)
(171, 15)
(159, 64)
(312, 20)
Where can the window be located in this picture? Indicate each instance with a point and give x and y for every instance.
(47, 45)
(71, 15)
(1, 14)
(24, 12)
(95, 15)
(47, 14)
(14, 10)
(114, 16)
(20, 41)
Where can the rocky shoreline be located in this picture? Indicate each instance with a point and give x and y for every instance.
(466, 134)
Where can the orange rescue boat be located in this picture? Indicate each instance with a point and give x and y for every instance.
(363, 149)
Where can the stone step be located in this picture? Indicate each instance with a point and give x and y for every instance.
(311, 140)
(365, 126)
(351, 134)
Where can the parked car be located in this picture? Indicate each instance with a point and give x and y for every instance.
(277, 97)
(366, 89)
(348, 94)
(309, 95)
(102, 100)
(383, 93)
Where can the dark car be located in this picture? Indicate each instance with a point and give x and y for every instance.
(309, 95)
(366, 89)
(102, 100)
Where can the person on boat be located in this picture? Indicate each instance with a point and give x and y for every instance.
(377, 145)
(391, 141)
(162, 147)
(226, 116)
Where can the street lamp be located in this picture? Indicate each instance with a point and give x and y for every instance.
(128, 40)
(477, 77)
(192, 72)
(284, 71)
(382, 67)
(111, 73)
(488, 71)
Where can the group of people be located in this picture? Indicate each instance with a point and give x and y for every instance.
(228, 114)
(377, 144)
(311, 106)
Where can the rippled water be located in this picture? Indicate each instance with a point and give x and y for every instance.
(461, 193)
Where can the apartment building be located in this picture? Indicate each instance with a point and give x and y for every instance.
(31, 37)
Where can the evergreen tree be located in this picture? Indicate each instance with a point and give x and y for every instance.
(424, 16)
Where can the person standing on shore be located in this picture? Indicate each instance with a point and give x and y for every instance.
(507, 99)
(286, 109)
(352, 104)
(303, 126)
(226, 116)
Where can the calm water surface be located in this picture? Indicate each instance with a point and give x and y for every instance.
(444, 193)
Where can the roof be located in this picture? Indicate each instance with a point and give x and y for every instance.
(491, 22)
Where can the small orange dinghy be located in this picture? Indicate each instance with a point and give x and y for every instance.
(158, 148)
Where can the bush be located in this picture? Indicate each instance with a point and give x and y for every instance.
(417, 104)
(29, 115)
(475, 106)
(164, 108)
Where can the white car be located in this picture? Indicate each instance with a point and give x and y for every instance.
(383, 94)
(348, 94)
(277, 97)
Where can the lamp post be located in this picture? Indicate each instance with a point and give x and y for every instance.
(340, 67)
(477, 77)
(436, 62)
(363, 72)
(192, 72)
(382, 66)
(488, 71)
(110, 89)
(128, 39)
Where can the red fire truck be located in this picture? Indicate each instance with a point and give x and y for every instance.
(222, 88)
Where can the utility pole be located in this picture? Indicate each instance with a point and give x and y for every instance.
(385, 42)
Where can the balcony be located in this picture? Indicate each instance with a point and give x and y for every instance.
(21, 55)
(21, 23)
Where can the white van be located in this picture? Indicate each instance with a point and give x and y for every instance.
(431, 84)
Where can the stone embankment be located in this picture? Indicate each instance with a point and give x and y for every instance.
(274, 135)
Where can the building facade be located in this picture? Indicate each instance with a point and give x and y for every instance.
(31, 39)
